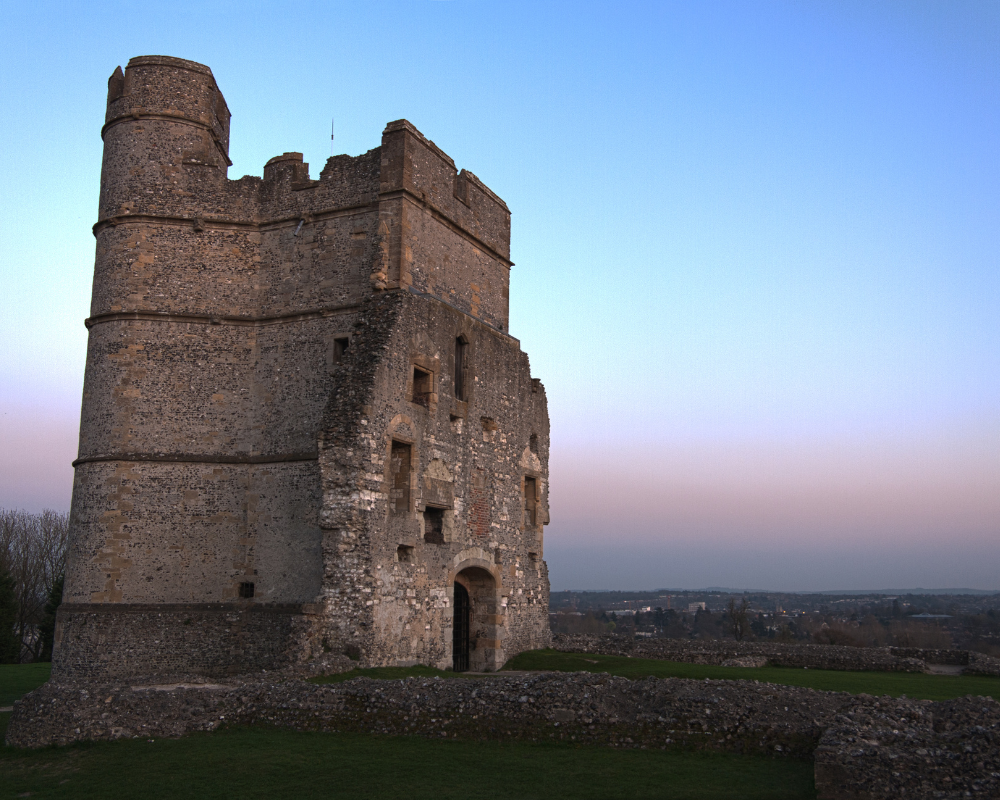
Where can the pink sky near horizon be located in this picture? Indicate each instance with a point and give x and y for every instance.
(904, 488)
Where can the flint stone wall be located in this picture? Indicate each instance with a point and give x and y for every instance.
(469, 458)
(256, 347)
(864, 747)
(173, 640)
(778, 654)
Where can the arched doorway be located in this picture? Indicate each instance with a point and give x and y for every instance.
(475, 625)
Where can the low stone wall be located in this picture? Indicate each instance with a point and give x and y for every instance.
(912, 749)
(865, 747)
(778, 654)
(742, 716)
(980, 664)
(955, 658)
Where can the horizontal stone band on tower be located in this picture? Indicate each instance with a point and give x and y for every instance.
(185, 458)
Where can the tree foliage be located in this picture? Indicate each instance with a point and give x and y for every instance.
(33, 555)
(736, 616)
(47, 627)
(10, 644)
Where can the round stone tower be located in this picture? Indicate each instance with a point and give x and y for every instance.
(177, 498)
(164, 116)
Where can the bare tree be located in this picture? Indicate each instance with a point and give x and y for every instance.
(737, 618)
(33, 553)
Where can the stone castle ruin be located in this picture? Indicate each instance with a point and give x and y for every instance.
(305, 426)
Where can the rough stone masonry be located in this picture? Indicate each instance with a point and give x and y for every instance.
(305, 426)
(864, 747)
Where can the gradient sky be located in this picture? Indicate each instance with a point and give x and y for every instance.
(756, 252)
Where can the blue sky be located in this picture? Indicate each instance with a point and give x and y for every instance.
(756, 252)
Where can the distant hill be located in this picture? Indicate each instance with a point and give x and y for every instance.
(730, 590)
(976, 592)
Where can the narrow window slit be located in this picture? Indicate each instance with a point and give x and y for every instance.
(461, 351)
(530, 502)
(399, 467)
(340, 346)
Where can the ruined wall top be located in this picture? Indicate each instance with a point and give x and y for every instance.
(412, 163)
(400, 216)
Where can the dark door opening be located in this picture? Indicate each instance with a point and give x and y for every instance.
(460, 630)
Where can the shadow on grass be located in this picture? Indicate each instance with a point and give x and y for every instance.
(263, 762)
(387, 674)
(915, 685)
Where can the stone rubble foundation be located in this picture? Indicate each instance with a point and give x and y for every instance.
(864, 747)
(779, 654)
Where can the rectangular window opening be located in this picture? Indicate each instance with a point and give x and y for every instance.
(434, 525)
(399, 467)
(404, 554)
(421, 387)
(246, 590)
(340, 346)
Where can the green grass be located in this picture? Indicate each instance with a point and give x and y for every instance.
(260, 762)
(19, 679)
(916, 685)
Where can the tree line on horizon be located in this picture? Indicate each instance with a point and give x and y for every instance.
(737, 621)
(32, 565)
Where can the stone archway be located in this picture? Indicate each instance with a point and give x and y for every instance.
(476, 622)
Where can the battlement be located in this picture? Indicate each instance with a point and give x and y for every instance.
(413, 164)
(287, 166)
(401, 216)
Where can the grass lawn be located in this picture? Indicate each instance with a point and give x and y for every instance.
(259, 762)
(19, 679)
(263, 762)
(916, 685)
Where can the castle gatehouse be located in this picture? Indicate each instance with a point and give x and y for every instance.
(305, 426)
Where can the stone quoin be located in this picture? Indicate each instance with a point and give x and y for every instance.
(305, 426)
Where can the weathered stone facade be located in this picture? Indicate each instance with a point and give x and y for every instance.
(305, 426)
